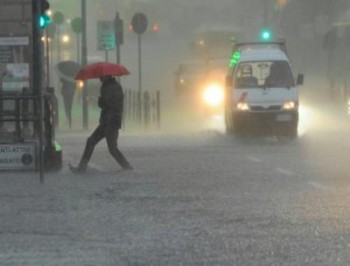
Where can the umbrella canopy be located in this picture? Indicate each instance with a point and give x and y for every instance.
(101, 69)
(67, 70)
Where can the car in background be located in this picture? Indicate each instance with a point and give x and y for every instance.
(187, 76)
(201, 84)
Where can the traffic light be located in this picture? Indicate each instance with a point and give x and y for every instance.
(44, 19)
(265, 35)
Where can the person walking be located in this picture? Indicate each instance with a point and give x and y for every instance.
(68, 91)
(111, 104)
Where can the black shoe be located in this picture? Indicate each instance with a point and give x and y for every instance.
(128, 167)
(76, 170)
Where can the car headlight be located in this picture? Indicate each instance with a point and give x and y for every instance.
(242, 106)
(289, 105)
(213, 95)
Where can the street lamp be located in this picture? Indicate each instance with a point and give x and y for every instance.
(65, 38)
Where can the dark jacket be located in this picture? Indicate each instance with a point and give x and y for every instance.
(111, 103)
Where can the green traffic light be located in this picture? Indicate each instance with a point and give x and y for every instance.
(44, 20)
(234, 59)
(266, 35)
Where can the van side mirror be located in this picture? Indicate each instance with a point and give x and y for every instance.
(229, 81)
(300, 79)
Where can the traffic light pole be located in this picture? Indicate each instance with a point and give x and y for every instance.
(37, 81)
(47, 49)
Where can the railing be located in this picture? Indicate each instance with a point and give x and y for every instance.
(17, 111)
(20, 124)
(143, 109)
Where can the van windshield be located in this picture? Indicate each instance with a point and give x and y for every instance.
(262, 74)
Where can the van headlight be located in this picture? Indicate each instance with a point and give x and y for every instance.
(213, 95)
(243, 106)
(290, 105)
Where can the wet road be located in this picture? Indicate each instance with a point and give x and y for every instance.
(200, 199)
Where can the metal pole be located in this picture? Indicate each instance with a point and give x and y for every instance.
(37, 81)
(140, 78)
(118, 28)
(78, 48)
(118, 56)
(47, 58)
(51, 57)
(329, 73)
(58, 44)
(118, 53)
(139, 53)
(158, 108)
(117, 43)
(332, 38)
(84, 63)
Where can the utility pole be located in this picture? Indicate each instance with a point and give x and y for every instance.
(37, 80)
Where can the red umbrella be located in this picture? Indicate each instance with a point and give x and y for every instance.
(101, 69)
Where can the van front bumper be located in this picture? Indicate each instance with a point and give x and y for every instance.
(265, 121)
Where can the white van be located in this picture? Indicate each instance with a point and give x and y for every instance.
(261, 96)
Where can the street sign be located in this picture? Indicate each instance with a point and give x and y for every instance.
(17, 156)
(14, 63)
(58, 18)
(77, 25)
(139, 23)
(105, 35)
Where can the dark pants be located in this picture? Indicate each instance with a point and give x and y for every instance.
(68, 104)
(110, 132)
